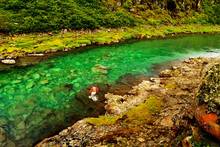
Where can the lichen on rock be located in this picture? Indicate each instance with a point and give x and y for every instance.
(209, 91)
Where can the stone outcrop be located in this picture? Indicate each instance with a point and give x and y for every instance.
(208, 112)
(209, 92)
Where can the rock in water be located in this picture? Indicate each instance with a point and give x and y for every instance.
(8, 61)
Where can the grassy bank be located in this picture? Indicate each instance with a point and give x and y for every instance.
(21, 45)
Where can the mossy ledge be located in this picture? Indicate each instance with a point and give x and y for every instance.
(38, 44)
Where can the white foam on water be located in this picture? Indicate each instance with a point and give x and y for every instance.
(214, 53)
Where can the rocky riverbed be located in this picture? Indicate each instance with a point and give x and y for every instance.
(158, 111)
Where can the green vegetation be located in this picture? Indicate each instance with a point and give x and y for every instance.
(103, 120)
(142, 113)
(19, 45)
(212, 9)
(19, 16)
(50, 15)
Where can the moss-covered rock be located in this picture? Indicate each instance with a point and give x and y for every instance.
(209, 92)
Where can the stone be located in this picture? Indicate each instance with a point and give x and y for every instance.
(186, 142)
(141, 139)
(8, 61)
(36, 55)
(165, 73)
(209, 91)
(167, 121)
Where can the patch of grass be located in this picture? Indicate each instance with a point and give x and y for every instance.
(143, 113)
(170, 86)
(38, 42)
(103, 120)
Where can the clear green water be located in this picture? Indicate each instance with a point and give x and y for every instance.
(28, 94)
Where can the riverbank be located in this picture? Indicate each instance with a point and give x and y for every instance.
(41, 44)
(158, 111)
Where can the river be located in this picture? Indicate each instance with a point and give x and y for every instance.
(36, 100)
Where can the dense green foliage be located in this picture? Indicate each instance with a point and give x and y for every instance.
(212, 8)
(48, 15)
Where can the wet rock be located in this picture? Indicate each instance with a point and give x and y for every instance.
(8, 61)
(165, 73)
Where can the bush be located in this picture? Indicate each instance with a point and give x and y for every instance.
(212, 9)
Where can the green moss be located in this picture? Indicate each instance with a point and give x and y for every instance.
(142, 113)
(209, 91)
(29, 43)
(170, 86)
(103, 120)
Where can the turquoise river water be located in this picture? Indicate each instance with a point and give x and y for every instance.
(34, 99)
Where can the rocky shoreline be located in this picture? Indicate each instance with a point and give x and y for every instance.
(158, 111)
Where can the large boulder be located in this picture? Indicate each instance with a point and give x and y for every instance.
(209, 92)
(208, 111)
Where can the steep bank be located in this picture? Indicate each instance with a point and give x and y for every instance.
(152, 113)
(40, 44)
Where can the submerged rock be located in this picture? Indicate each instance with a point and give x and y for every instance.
(100, 69)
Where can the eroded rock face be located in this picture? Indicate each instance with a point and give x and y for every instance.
(209, 92)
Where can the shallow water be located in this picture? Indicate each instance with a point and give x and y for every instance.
(32, 99)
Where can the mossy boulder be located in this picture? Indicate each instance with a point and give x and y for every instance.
(209, 92)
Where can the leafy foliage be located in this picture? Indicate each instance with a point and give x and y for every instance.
(212, 9)
(48, 15)
(19, 16)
